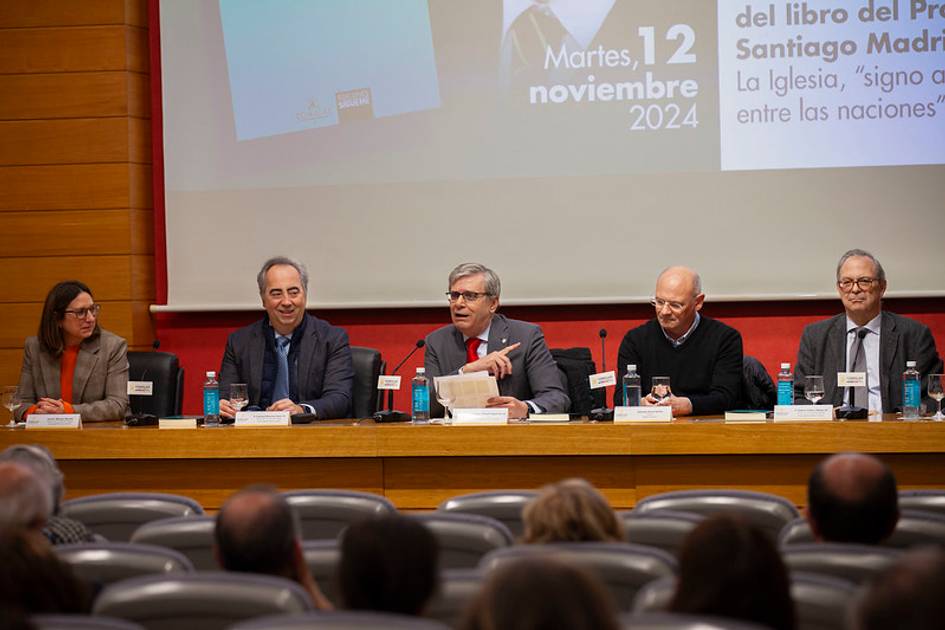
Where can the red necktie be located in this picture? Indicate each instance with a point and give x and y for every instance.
(472, 349)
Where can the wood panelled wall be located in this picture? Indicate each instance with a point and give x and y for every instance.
(75, 164)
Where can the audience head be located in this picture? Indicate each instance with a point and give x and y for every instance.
(908, 596)
(541, 594)
(69, 316)
(677, 299)
(477, 290)
(852, 498)
(34, 580)
(25, 500)
(388, 564)
(729, 568)
(571, 510)
(38, 459)
(861, 283)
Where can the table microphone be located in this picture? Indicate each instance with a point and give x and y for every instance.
(605, 413)
(390, 415)
(851, 411)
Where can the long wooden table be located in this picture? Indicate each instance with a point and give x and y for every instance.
(419, 466)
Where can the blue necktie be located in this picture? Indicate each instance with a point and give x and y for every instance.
(280, 388)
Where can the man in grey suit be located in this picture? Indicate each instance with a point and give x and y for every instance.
(864, 339)
(289, 360)
(479, 340)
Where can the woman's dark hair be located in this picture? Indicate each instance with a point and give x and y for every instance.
(34, 580)
(541, 594)
(730, 568)
(58, 298)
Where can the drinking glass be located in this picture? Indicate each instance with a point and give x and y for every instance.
(937, 391)
(814, 388)
(444, 400)
(238, 395)
(11, 400)
(659, 389)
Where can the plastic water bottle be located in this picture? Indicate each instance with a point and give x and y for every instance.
(420, 387)
(911, 392)
(211, 401)
(632, 390)
(785, 385)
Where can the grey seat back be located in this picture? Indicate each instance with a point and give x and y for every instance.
(820, 601)
(107, 562)
(325, 513)
(117, 515)
(81, 622)
(464, 539)
(664, 529)
(503, 505)
(190, 535)
(655, 596)
(770, 512)
(925, 500)
(856, 563)
(322, 558)
(209, 600)
(624, 568)
(914, 529)
(341, 620)
(677, 621)
(458, 588)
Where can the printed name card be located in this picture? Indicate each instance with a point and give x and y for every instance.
(789, 413)
(262, 419)
(489, 415)
(656, 413)
(602, 379)
(54, 421)
(388, 382)
(851, 379)
(140, 388)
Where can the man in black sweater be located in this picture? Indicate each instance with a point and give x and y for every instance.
(701, 356)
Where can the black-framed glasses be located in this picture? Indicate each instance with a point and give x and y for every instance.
(673, 306)
(864, 284)
(82, 313)
(468, 296)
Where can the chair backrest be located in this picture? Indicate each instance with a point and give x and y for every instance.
(664, 529)
(856, 563)
(209, 600)
(325, 513)
(677, 621)
(108, 562)
(190, 535)
(796, 532)
(117, 515)
(341, 620)
(458, 588)
(914, 528)
(464, 539)
(322, 558)
(368, 365)
(925, 500)
(820, 601)
(82, 622)
(655, 596)
(622, 567)
(758, 390)
(503, 505)
(575, 365)
(770, 512)
(163, 370)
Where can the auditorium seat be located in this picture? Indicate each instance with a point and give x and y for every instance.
(163, 370)
(503, 505)
(190, 535)
(655, 596)
(676, 621)
(458, 588)
(915, 528)
(322, 558)
(821, 601)
(770, 512)
(856, 563)
(117, 515)
(925, 500)
(464, 539)
(108, 562)
(325, 513)
(81, 622)
(664, 529)
(365, 397)
(341, 620)
(208, 600)
(624, 568)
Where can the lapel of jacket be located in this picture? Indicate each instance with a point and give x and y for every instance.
(305, 356)
(836, 357)
(888, 347)
(84, 365)
(257, 355)
(498, 339)
(50, 371)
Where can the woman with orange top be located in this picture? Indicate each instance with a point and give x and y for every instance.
(72, 365)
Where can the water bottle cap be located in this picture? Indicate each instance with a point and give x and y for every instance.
(631, 367)
(785, 366)
(910, 363)
(211, 374)
(421, 370)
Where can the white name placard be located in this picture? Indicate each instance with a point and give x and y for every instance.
(388, 382)
(602, 379)
(54, 421)
(851, 379)
(656, 413)
(489, 415)
(788, 413)
(262, 419)
(140, 388)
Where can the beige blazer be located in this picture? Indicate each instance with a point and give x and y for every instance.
(100, 385)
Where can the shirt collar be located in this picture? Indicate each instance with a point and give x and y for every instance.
(581, 19)
(874, 325)
(682, 339)
(484, 335)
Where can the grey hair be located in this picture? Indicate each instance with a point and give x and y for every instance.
(281, 260)
(37, 458)
(24, 500)
(696, 278)
(877, 267)
(493, 285)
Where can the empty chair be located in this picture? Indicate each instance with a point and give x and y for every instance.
(770, 512)
(465, 538)
(190, 535)
(82, 622)
(108, 562)
(340, 620)
(325, 513)
(677, 621)
(322, 558)
(820, 601)
(367, 366)
(664, 529)
(624, 568)
(210, 600)
(117, 515)
(503, 505)
(913, 529)
(925, 500)
(458, 588)
(163, 371)
(856, 563)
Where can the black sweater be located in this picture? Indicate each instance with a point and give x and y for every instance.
(706, 368)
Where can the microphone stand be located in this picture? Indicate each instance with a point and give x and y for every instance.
(605, 413)
(390, 414)
(850, 411)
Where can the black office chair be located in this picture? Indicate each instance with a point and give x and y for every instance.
(368, 365)
(758, 390)
(574, 366)
(167, 377)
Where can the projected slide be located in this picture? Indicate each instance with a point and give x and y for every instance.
(299, 64)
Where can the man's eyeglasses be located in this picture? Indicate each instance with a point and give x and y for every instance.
(468, 296)
(82, 313)
(673, 306)
(864, 284)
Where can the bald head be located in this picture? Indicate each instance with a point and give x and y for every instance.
(680, 278)
(25, 501)
(852, 497)
(256, 532)
(678, 298)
